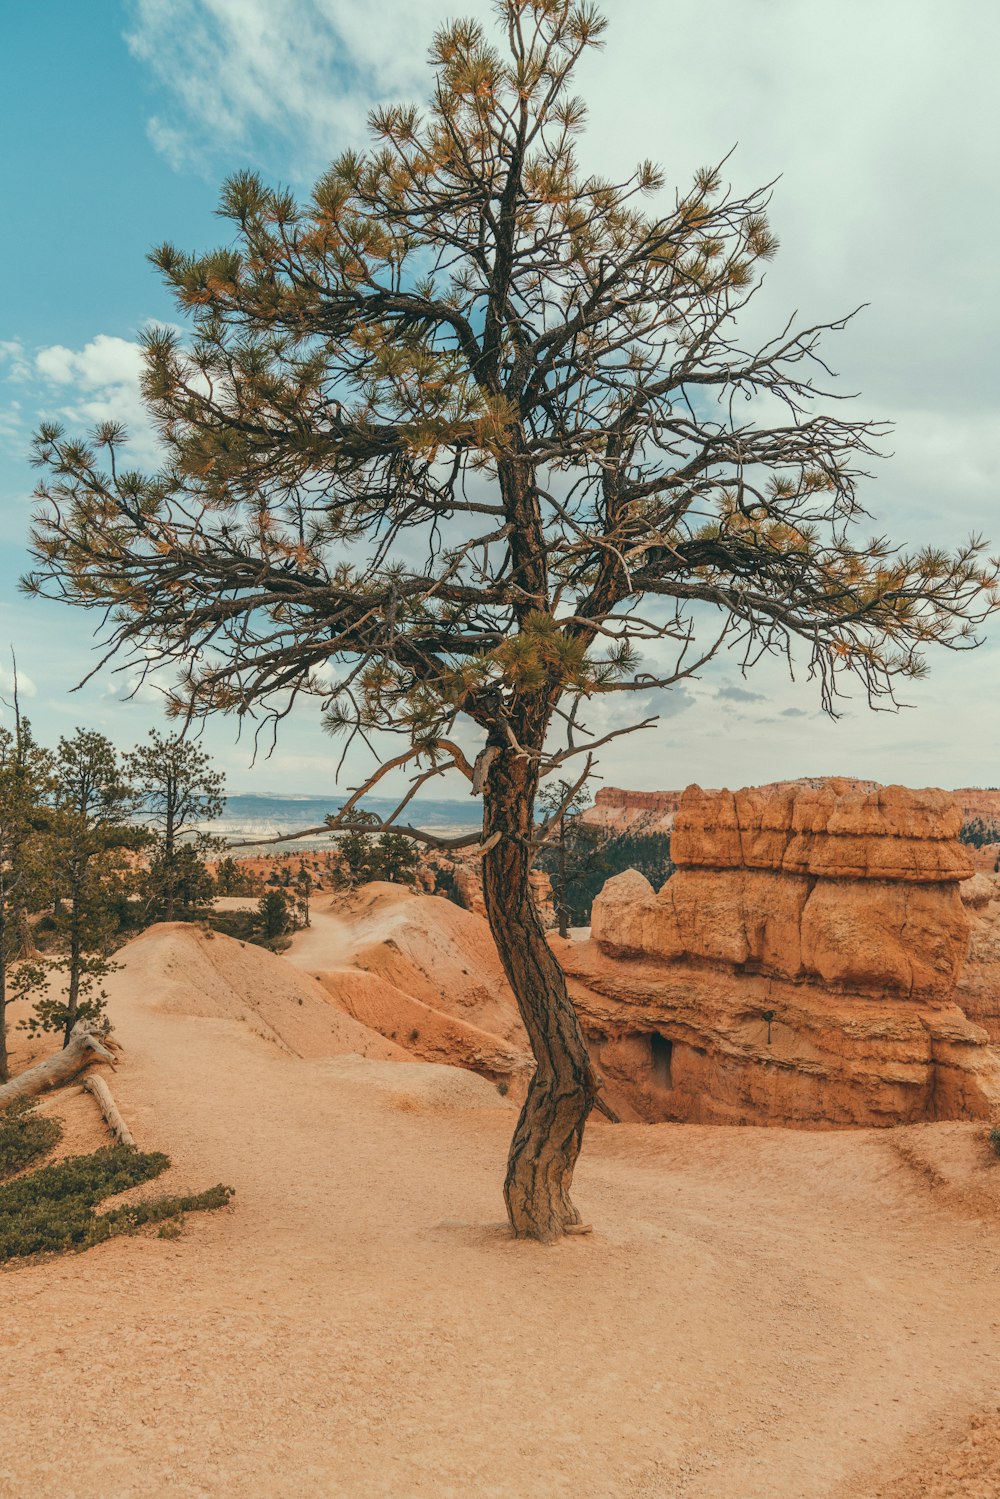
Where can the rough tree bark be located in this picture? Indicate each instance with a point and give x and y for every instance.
(562, 1092)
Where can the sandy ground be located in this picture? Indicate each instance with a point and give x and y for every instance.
(759, 1314)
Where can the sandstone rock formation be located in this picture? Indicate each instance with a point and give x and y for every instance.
(976, 802)
(420, 971)
(462, 879)
(978, 990)
(618, 811)
(802, 965)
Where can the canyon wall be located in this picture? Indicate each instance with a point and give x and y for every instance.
(976, 802)
(802, 966)
(617, 811)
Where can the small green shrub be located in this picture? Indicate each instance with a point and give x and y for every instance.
(53, 1209)
(24, 1137)
(994, 1138)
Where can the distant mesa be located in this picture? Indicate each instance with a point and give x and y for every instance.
(618, 809)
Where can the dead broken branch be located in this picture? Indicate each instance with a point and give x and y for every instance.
(87, 1044)
(105, 1102)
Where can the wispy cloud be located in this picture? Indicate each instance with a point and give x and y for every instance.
(734, 694)
(24, 685)
(99, 382)
(304, 73)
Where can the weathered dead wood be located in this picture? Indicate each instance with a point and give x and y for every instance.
(96, 1085)
(87, 1044)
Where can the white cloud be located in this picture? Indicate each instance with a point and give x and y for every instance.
(105, 361)
(307, 70)
(13, 362)
(104, 377)
(25, 686)
(172, 143)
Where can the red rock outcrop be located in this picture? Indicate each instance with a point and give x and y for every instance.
(976, 802)
(801, 966)
(462, 879)
(978, 990)
(617, 811)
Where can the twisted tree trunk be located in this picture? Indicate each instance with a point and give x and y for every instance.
(549, 1131)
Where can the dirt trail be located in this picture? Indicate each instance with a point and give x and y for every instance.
(758, 1314)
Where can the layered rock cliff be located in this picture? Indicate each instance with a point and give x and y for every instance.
(801, 967)
(618, 811)
(978, 803)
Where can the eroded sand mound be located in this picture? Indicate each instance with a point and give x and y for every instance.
(186, 970)
(421, 972)
(424, 945)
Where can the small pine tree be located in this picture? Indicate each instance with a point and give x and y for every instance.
(92, 804)
(393, 858)
(178, 791)
(355, 851)
(274, 915)
(303, 890)
(25, 778)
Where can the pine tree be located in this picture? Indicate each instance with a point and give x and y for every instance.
(303, 892)
(178, 791)
(570, 849)
(464, 349)
(273, 914)
(25, 772)
(93, 804)
(355, 851)
(393, 857)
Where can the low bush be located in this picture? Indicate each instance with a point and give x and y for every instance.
(24, 1137)
(994, 1138)
(52, 1209)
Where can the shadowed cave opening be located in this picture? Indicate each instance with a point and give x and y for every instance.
(661, 1051)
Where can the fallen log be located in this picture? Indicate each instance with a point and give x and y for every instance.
(87, 1044)
(106, 1103)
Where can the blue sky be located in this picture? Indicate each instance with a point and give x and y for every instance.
(121, 119)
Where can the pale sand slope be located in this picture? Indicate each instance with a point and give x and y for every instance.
(424, 945)
(758, 1315)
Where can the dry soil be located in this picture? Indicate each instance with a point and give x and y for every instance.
(758, 1314)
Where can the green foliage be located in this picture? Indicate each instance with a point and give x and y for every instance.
(355, 851)
(391, 856)
(274, 915)
(649, 853)
(232, 879)
(61, 1009)
(25, 781)
(303, 892)
(978, 832)
(177, 885)
(177, 792)
(89, 835)
(25, 1136)
(994, 1138)
(53, 1209)
(394, 858)
(596, 857)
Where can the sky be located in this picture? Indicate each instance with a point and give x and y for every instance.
(876, 117)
